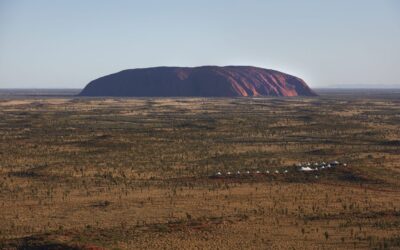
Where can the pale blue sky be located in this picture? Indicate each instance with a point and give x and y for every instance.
(66, 44)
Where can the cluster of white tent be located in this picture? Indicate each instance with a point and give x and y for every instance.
(250, 173)
(317, 166)
(302, 167)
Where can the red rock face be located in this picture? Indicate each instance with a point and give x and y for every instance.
(206, 81)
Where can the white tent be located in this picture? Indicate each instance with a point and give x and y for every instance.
(306, 169)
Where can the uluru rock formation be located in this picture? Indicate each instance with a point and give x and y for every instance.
(205, 81)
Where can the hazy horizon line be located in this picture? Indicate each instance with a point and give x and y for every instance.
(317, 87)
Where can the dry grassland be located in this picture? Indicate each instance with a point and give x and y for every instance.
(135, 173)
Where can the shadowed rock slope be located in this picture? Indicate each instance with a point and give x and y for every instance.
(205, 81)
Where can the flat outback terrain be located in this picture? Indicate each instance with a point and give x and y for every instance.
(200, 173)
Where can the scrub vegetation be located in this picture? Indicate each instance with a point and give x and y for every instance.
(134, 173)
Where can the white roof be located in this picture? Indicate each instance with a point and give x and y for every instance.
(306, 169)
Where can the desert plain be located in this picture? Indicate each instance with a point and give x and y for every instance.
(141, 173)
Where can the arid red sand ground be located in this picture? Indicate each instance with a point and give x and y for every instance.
(135, 173)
